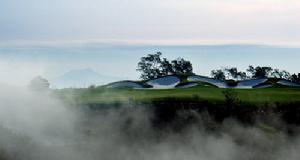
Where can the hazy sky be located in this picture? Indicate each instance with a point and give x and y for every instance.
(42, 23)
(18, 65)
(155, 21)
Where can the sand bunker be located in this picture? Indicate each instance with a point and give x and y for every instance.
(168, 82)
(251, 83)
(214, 82)
(288, 83)
(246, 84)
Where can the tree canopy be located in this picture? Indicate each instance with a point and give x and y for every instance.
(218, 74)
(253, 72)
(235, 74)
(153, 66)
(295, 78)
(259, 72)
(39, 83)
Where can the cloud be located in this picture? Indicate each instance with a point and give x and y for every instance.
(191, 20)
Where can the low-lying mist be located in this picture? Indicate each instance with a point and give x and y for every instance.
(37, 125)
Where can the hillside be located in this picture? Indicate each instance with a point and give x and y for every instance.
(81, 78)
(257, 91)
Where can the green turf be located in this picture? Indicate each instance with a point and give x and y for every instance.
(209, 93)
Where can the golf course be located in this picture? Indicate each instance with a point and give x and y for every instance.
(256, 96)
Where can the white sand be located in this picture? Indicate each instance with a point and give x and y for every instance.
(168, 82)
(251, 83)
(288, 83)
(214, 82)
(246, 84)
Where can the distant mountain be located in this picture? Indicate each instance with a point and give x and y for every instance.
(81, 78)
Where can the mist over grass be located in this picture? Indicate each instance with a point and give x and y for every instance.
(37, 125)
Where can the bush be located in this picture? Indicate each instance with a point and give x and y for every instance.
(231, 99)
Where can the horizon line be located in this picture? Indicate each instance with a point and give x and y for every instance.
(115, 43)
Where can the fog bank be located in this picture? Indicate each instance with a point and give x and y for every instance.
(38, 125)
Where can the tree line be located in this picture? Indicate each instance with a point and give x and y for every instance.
(253, 72)
(154, 66)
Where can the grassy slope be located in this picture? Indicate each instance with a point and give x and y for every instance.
(253, 96)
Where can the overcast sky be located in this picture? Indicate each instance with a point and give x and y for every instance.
(159, 22)
(151, 21)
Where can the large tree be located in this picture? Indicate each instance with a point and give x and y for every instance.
(241, 75)
(232, 72)
(181, 66)
(276, 73)
(295, 78)
(259, 72)
(152, 66)
(235, 74)
(218, 74)
(283, 74)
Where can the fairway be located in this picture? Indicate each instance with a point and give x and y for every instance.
(209, 93)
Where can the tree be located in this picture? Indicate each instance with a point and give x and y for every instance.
(242, 75)
(150, 66)
(166, 67)
(231, 72)
(39, 83)
(283, 74)
(218, 74)
(235, 74)
(231, 99)
(259, 72)
(276, 73)
(181, 66)
(262, 71)
(251, 70)
(295, 78)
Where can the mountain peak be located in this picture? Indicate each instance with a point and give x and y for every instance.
(81, 78)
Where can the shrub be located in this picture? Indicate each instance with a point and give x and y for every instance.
(231, 99)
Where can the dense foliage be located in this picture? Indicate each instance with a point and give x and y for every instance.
(218, 74)
(296, 78)
(153, 66)
(253, 72)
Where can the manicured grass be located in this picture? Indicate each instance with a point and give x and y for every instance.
(209, 93)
